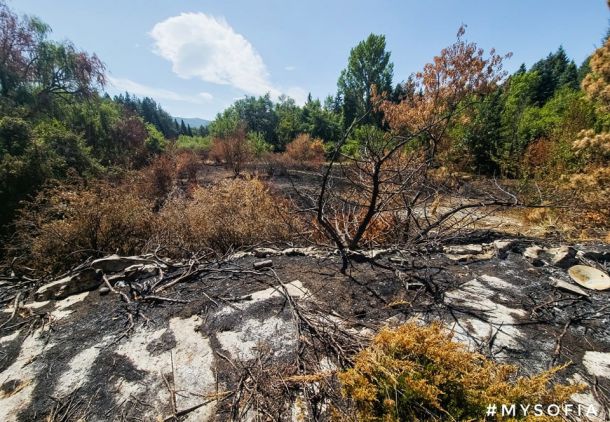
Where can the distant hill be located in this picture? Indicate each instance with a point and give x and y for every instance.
(194, 122)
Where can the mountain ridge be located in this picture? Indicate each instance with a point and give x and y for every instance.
(193, 121)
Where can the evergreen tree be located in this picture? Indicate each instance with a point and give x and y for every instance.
(555, 71)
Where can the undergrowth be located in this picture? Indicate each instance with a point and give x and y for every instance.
(417, 373)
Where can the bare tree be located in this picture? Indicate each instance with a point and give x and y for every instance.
(386, 192)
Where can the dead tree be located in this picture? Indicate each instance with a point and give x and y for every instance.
(386, 193)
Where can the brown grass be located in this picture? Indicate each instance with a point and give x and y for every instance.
(63, 226)
(66, 224)
(222, 217)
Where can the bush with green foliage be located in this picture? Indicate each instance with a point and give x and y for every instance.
(194, 143)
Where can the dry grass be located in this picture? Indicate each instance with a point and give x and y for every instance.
(578, 206)
(418, 373)
(63, 226)
(66, 224)
(222, 217)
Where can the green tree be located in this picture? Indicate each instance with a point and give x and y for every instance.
(555, 71)
(225, 124)
(483, 135)
(258, 144)
(320, 122)
(368, 65)
(69, 148)
(155, 141)
(289, 121)
(519, 94)
(258, 115)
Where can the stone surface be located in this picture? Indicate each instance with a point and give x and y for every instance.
(503, 247)
(597, 363)
(263, 264)
(499, 307)
(265, 252)
(463, 249)
(534, 253)
(562, 257)
(83, 281)
(568, 287)
(116, 263)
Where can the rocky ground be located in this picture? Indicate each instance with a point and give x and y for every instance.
(237, 339)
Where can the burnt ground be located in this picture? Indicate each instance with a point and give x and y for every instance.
(227, 345)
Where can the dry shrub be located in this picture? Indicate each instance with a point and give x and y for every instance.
(66, 224)
(169, 175)
(187, 165)
(416, 373)
(229, 215)
(594, 147)
(63, 226)
(381, 229)
(591, 195)
(537, 156)
(157, 181)
(234, 151)
(278, 164)
(306, 150)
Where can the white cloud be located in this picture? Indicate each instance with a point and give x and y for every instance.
(208, 48)
(289, 68)
(123, 84)
(206, 96)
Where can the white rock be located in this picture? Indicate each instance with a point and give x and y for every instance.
(24, 370)
(463, 249)
(597, 363)
(78, 370)
(563, 256)
(85, 280)
(533, 252)
(116, 263)
(560, 284)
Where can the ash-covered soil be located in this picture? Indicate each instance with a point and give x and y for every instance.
(226, 344)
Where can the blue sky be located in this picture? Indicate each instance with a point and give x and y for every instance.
(196, 57)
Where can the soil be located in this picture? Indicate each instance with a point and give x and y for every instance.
(246, 330)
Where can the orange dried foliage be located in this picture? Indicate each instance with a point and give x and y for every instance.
(416, 373)
(305, 149)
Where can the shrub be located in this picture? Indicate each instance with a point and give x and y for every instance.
(306, 150)
(591, 200)
(69, 149)
(155, 142)
(187, 165)
(258, 144)
(157, 181)
(593, 147)
(63, 225)
(222, 217)
(194, 143)
(234, 151)
(276, 164)
(416, 373)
